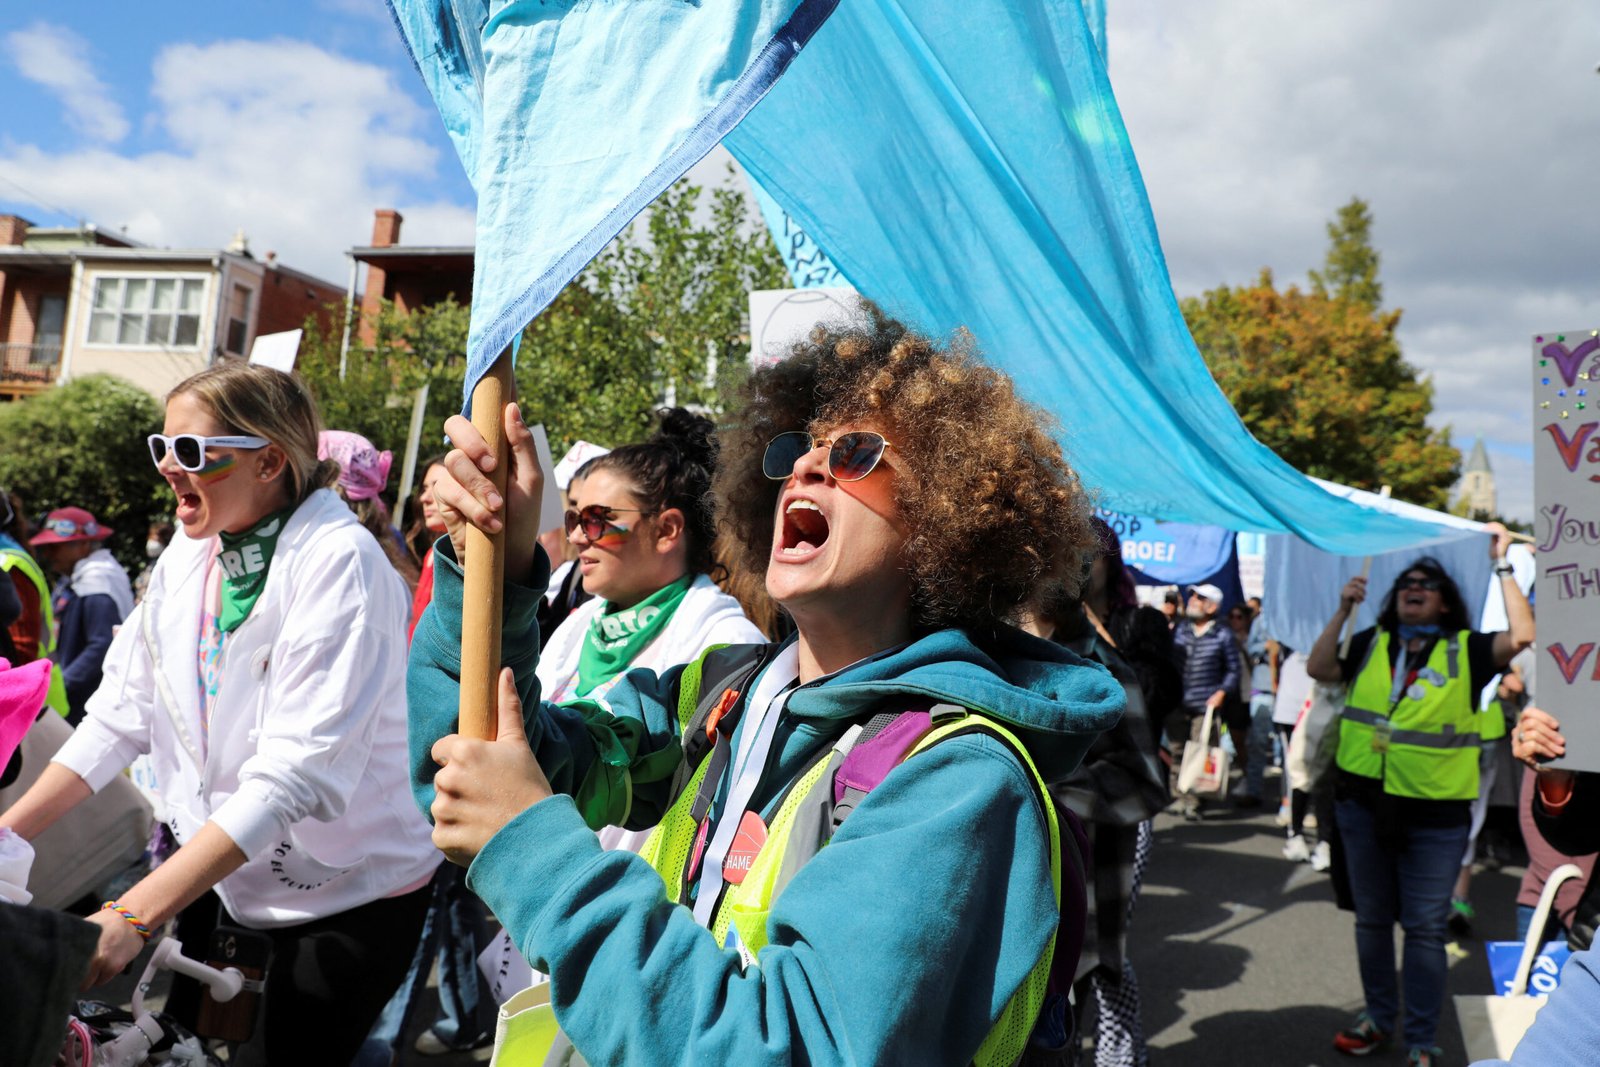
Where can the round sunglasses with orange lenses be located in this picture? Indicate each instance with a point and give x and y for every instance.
(851, 456)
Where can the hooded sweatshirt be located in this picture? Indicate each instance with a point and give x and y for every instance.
(901, 941)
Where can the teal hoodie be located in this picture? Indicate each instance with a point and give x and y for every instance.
(901, 942)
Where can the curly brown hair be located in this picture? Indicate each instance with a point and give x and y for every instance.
(992, 506)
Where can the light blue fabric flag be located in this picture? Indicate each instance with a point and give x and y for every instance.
(571, 116)
(1094, 13)
(966, 166)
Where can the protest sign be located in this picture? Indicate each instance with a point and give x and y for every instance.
(1566, 466)
(277, 350)
(1176, 553)
(780, 317)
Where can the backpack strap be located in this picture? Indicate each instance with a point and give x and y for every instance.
(708, 695)
(889, 739)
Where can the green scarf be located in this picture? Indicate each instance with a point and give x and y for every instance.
(244, 560)
(615, 638)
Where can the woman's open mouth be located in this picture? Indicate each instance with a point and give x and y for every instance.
(805, 529)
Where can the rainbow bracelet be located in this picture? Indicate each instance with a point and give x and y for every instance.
(133, 920)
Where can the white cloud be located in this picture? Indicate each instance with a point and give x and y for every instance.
(1466, 124)
(59, 60)
(294, 144)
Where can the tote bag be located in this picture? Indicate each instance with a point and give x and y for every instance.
(1205, 765)
(1492, 1026)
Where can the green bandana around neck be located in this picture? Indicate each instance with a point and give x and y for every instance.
(244, 559)
(616, 637)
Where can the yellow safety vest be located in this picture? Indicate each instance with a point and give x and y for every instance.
(11, 559)
(745, 906)
(1424, 744)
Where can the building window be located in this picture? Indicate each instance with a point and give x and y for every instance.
(238, 318)
(146, 312)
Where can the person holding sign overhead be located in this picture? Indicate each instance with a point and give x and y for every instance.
(1407, 761)
(262, 673)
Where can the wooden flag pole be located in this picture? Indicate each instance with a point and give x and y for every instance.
(485, 565)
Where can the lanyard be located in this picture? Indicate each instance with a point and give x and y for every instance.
(1402, 677)
(749, 761)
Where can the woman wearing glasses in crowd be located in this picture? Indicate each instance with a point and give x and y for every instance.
(1409, 743)
(641, 523)
(262, 674)
(902, 502)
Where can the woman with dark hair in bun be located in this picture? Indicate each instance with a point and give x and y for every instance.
(642, 525)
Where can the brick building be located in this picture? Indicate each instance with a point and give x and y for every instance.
(77, 301)
(411, 276)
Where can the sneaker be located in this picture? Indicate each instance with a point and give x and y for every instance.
(1295, 849)
(1423, 1057)
(1322, 856)
(1192, 815)
(1363, 1038)
(428, 1044)
(1284, 816)
(1461, 915)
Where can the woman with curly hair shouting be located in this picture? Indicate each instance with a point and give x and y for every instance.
(903, 502)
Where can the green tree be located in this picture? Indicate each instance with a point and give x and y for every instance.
(1350, 271)
(658, 315)
(426, 346)
(1319, 376)
(85, 448)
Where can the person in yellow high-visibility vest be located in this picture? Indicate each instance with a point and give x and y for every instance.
(1407, 760)
(27, 623)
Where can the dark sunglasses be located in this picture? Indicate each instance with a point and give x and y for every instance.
(1430, 585)
(851, 457)
(189, 449)
(595, 520)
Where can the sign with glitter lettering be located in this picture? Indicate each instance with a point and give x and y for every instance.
(1566, 475)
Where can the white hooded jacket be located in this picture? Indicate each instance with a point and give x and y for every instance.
(305, 765)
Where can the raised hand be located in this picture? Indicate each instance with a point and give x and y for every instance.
(482, 785)
(465, 495)
(1354, 592)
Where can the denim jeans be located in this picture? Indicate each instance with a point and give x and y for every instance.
(1261, 747)
(456, 930)
(1406, 878)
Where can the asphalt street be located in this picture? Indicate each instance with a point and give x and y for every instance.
(1243, 958)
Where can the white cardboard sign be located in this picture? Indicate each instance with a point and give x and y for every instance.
(1566, 466)
(780, 317)
(277, 350)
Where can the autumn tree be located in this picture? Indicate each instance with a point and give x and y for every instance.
(658, 316)
(1318, 376)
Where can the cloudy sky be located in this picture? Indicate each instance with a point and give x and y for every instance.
(1471, 126)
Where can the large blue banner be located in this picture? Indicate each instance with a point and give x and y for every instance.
(965, 165)
(1171, 553)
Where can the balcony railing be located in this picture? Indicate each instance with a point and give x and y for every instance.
(36, 364)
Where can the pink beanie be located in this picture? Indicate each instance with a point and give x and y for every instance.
(364, 471)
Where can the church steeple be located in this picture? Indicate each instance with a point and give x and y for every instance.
(1477, 482)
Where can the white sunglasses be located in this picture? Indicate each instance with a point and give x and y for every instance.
(189, 449)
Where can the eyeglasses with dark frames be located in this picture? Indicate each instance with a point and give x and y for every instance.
(597, 521)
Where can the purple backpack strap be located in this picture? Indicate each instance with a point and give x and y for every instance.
(883, 744)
